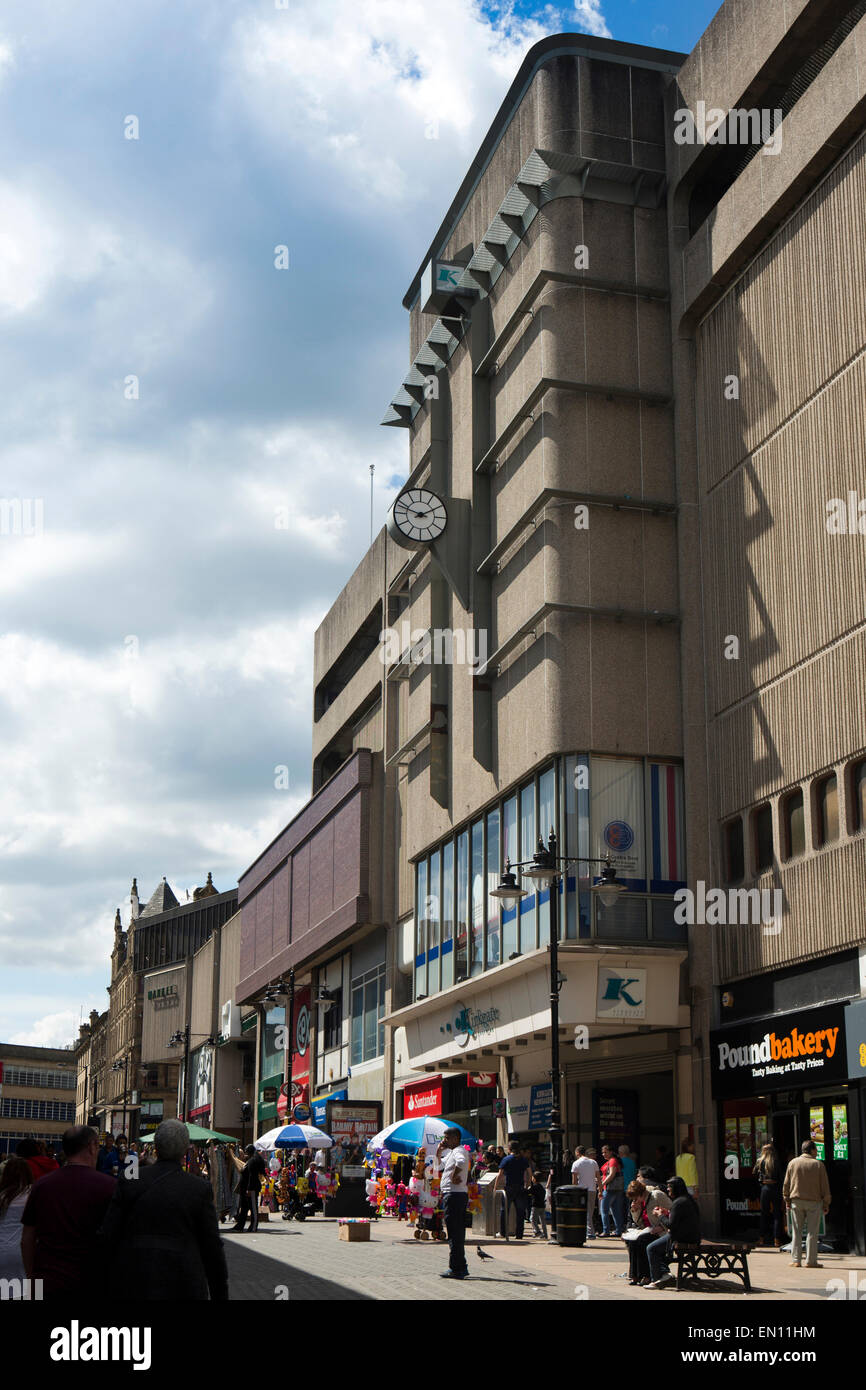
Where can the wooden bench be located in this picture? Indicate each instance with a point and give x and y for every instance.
(713, 1258)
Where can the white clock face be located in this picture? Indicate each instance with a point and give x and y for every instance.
(419, 515)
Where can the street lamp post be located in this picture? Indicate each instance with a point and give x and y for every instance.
(543, 870)
(115, 1066)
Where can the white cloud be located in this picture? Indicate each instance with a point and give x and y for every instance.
(589, 16)
(380, 92)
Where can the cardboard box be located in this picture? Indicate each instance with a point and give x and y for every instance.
(354, 1230)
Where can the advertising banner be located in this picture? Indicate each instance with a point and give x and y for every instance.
(816, 1128)
(840, 1131)
(540, 1105)
(300, 1054)
(422, 1098)
(617, 816)
(615, 1118)
(352, 1124)
(802, 1049)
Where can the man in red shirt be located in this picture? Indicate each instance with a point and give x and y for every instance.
(35, 1156)
(61, 1218)
(612, 1193)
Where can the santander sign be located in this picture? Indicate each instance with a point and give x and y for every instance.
(423, 1102)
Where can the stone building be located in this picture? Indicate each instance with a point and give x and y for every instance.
(119, 1090)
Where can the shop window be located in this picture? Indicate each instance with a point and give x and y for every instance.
(794, 825)
(492, 880)
(447, 915)
(762, 835)
(826, 810)
(858, 796)
(477, 908)
(461, 969)
(734, 860)
(510, 851)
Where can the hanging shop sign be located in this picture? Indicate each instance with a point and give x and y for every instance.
(481, 1079)
(806, 1048)
(855, 1034)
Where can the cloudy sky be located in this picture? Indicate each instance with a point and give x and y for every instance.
(169, 395)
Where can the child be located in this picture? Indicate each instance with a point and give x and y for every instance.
(537, 1196)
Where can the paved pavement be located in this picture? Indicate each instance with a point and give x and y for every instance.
(308, 1261)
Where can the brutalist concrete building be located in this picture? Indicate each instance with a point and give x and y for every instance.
(620, 598)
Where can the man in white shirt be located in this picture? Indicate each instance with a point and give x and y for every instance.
(454, 1188)
(585, 1174)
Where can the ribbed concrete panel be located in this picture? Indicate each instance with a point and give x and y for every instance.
(821, 894)
(796, 318)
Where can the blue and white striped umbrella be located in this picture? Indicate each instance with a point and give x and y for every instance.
(294, 1137)
(423, 1132)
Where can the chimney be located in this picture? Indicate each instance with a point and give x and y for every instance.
(94, 1018)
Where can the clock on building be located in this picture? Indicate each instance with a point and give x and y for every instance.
(417, 515)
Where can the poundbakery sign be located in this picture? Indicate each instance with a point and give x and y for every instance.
(802, 1049)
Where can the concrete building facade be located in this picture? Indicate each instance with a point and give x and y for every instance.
(37, 1094)
(633, 394)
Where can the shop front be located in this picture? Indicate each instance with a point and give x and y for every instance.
(782, 1080)
(621, 1025)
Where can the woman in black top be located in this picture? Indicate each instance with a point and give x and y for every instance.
(768, 1171)
(684, 1226)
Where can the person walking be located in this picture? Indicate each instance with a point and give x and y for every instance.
(16, 1181)
(454, 1191)
(514, 1178)
(108, 1159)
(807, 1195)
(585, 1174)
(612, 1194)
(249, 1186)
(160, 1233)
(35, 1156)
(61, 1218)
(537, 1197)
(687, 1166)
(627, 1164)
(683, 1223)
(768, 1171)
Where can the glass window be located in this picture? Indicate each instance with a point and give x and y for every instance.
(334, 1022)
(546, 823)
(461, 969)
(827, 806)
(858, 788)
(510, 851)
(625, 921)
(447, 915)
(357, 1025)
(794, 823)
(762, 830)
(528, 846)
(368, 1006)
(421, 928)
(665, 928)
(733, 851)
(477, 913)
(493, 869)
(434, 908)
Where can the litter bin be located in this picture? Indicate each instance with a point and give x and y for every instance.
(570, 1215)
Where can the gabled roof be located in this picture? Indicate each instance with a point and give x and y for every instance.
(161, 900)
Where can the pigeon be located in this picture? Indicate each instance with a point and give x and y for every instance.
(481, 1254)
